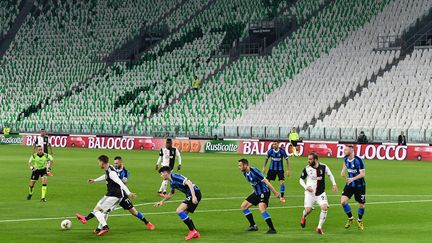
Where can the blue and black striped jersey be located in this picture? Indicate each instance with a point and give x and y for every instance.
(178, 182)
(276, 158)
(353, 168)
(255, 178)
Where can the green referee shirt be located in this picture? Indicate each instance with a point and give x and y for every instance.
(40, 161)
(293, 136)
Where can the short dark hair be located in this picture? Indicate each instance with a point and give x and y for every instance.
(314, 155)
(104, 159)
(169, 140)
(244, 161)
(117, 157)
(164, 168)
(39, 146)
(42, 129)
(350, 146)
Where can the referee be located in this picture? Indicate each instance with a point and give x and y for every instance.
(293, 139)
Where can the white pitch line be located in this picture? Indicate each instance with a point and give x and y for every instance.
(210, 211)
(287, 196)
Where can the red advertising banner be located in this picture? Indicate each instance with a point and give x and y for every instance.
(336, 150)
(324, 149)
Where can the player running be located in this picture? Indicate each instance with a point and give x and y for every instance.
(115, 193)
(167, 158)
(40, 164)
(355, 185)
(260, 196)
(193, 197)
(276, 167)
(314, 174)
(126, 203)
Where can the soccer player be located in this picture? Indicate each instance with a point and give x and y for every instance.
(116, 190)
(276, 167)
(293, 139)
(260, 196)
(43, 140)
(167, 158)
(39, 163)
(314, 174)
(355, 185)
(126, 203)
(193, 197)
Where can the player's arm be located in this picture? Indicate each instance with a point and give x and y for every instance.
(166, 198)
(192, 189)
(359, 176)
(272, 189)
(50, 162)
(113, 175)
(266, 161)
(343, 170)
(288, 164)
(179, 159)
(99, 179)
(332, 179)
(303, 183)
(159, 161)
(50, 148)
(30, 163)
(125, 176)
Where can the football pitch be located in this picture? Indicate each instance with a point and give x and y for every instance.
(398, 201)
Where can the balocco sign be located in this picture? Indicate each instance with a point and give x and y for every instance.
(261, 147)
(55, 141)
(381, 152)
(111, 143)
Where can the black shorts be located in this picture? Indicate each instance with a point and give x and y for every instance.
(358, 192)
(255, 199)
(38, 173)
(126, 203)
(294, 143)
(271, 175)
(190, 205)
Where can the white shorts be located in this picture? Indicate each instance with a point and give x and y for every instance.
(108, 204)
(311, 199)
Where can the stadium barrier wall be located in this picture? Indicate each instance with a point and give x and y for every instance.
(331, 149)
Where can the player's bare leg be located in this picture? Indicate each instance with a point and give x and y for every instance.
(44, 188)
(182, 213)
(323, 216)
(282, 191)
(31, 186)
(347, 209)
(361, 210)
(263, 209)
(245, 209)
(306, 212)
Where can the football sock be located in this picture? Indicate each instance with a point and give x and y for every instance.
(141, 216)
(183, 216)
(360, 213)
(31, 190)
(282, 190)
(305, 213)
(323, 216)
(347, 210)
(90, 216)
(268, 220)
(100, 217)
(249, 217)
(44, 189)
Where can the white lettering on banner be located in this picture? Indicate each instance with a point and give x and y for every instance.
(58, 141)
(381, 152)
(260, 148)
(111, 143)
(55, 141)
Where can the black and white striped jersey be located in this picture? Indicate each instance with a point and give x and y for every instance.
(315, 178)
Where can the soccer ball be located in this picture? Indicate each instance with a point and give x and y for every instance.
(66, 224)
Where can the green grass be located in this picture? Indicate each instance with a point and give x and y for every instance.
(218, 177)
